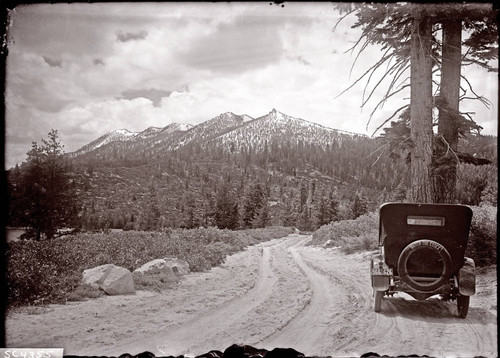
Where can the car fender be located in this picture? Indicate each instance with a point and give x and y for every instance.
(467, 278)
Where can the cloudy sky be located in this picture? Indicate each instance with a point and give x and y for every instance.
(88, 69)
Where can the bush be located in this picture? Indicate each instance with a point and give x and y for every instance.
(349, 232)
(154, 280)
(128, 226)
(359, 243)
(482, 245)
(269, 233)
(51, 270)
(361, 234)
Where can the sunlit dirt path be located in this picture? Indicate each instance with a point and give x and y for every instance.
(281, 293)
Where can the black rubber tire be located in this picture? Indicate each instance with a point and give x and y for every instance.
(418, 245)
(463, 305)
(378, 300)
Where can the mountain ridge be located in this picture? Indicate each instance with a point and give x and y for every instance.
(240, 131)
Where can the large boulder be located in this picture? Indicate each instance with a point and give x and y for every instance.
(155, 265)
(118, 282)
(170, 265)
(95, 276)
(112, 279)
(178, 265)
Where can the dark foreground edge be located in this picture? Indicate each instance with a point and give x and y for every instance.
(245, 351)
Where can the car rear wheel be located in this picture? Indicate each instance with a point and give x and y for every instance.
(378, 300)
(463, 306)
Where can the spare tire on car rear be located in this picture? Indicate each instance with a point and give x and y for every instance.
(427, 250)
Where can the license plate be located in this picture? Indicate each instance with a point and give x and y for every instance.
(381, 271)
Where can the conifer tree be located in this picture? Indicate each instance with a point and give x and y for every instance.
(254, 200)
(262, 217)
(50, 199)
(407, 35)
(226, 209)
(359, 205)
(333, 207)
(151, 214)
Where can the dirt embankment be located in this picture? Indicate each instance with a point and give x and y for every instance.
(277, 294)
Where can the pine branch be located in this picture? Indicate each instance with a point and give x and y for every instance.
(386, 97)
(392, 116)
(358, 80)
(369, 70)
(483, 100)
(375, 87)
(363, 47)
(448, 147)
(342, 18)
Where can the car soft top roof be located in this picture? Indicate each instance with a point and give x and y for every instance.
(418, 220)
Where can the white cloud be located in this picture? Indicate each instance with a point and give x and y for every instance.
(300, 69)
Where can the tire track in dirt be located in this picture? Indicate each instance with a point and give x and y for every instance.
(173, 341)
(428, 327)
(306, 329)
(280, 293)
(348, 311)
(217, 327)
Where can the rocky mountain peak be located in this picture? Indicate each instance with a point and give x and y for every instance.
(227, 129)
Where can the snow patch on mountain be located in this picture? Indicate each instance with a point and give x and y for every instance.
(173, 127)
(210, 129)
(119, 135)
(149, 132)
(247, 118)
(184, 127)
(236, 131)
(278, 127)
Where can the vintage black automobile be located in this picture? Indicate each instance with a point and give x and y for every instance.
(422, 253)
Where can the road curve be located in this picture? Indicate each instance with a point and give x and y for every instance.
(280, 293)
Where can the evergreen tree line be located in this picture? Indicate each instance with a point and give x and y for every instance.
(212, 187)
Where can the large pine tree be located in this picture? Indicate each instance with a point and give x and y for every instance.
(226, 209)
(49, 199)
(407, 34)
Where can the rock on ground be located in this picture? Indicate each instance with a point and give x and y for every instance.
(169, 264)
(178, 265)
(95, 276)
(112, 279)
(158, 264)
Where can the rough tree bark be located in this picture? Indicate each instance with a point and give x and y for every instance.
(445, 175)
(421, 108)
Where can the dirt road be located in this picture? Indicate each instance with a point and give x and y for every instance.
(281, 293)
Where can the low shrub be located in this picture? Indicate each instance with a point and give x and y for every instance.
(363, 242)
(361, 234)
(269, 233)
(349, 232)
(51, 271)
(83, 291)
(154, 280)
(482, 245)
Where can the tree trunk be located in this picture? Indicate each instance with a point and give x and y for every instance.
(446, 162)
(421, 108)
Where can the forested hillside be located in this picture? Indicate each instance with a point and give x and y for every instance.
(238, 172)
